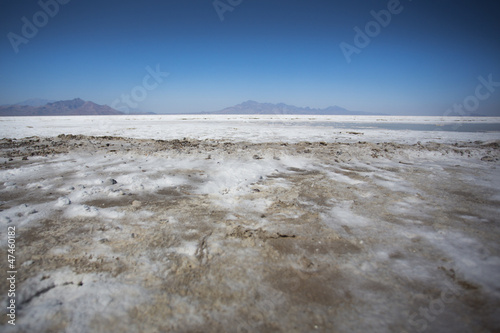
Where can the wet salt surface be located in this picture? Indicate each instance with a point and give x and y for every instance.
(144, 236)
(462, 127)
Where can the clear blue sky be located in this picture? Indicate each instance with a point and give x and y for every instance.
(427, 59)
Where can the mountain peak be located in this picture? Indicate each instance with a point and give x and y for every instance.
(70, 104)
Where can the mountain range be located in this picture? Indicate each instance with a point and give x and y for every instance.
(252, 107)
(79, 107)
(75, 107)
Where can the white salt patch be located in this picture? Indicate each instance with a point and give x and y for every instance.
(23, 215)
(395, 185)
(81, 211)
(63, 201)
(27, 263)
(258, 205)
(59, 250)
(143, 214)
(111, 213)
(233, 176)
(187, 248)
(342, 178)
(474, 218)
(78, 297)
(342, 214)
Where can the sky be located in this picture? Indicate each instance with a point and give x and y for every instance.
(420, 57)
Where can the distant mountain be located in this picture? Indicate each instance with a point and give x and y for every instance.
(252, 107)
(75, 107)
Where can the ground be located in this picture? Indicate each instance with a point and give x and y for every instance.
(131, 235)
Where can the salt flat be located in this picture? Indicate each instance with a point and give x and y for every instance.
(254, 128)
(187, 224)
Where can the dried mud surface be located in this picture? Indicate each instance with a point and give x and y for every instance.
(360, 238)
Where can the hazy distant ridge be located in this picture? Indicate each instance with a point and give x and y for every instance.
(75, 107)
(252, 107)
(79, 107)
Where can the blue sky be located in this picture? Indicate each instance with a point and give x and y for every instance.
(424, 61)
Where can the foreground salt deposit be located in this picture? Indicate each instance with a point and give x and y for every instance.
(209, 235)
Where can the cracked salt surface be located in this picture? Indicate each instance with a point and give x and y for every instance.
(143, 236)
